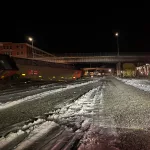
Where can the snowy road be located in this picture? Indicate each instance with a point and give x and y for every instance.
(103, 114)
(16, 93)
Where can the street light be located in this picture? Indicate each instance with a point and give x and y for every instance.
(117, 35)
(31, 40)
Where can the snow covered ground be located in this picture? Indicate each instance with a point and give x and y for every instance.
(86, 107)
(43, 94)
(106, 113)
(141, 84)
(36, 134)
(82, 113)
(29, 135)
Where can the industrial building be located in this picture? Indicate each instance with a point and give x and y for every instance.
(22, 50)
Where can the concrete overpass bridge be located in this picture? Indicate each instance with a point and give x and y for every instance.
(118, 60)
(96, 59)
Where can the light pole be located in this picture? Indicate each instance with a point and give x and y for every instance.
(31, 40)
(117, 35)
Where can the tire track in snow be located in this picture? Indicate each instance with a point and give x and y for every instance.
(76, 118)
(100, 119)
(38, 129)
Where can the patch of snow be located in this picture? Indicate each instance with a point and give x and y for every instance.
(4, 141)
(47, 85)
(141, 84)
(38, 121)
(79, 110)
(85, 123)
(37, 134)
(80, 106)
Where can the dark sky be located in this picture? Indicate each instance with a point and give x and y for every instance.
(85, 35)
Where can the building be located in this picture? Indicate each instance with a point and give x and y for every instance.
(22, 50)
(143, 70)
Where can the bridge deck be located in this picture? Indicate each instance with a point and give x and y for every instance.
(95, 59)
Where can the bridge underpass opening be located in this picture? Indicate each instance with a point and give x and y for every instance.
(118, 69)
(97, 69)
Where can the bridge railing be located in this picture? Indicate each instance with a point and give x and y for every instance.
(100, 54)
(84, 54)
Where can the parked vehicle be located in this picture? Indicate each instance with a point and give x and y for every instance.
(8, 66)
(129, 70)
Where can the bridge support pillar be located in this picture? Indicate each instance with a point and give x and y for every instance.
(118, 68)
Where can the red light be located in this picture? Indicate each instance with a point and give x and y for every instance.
(35, 72)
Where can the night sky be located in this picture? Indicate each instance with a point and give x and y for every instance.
(85, 35)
